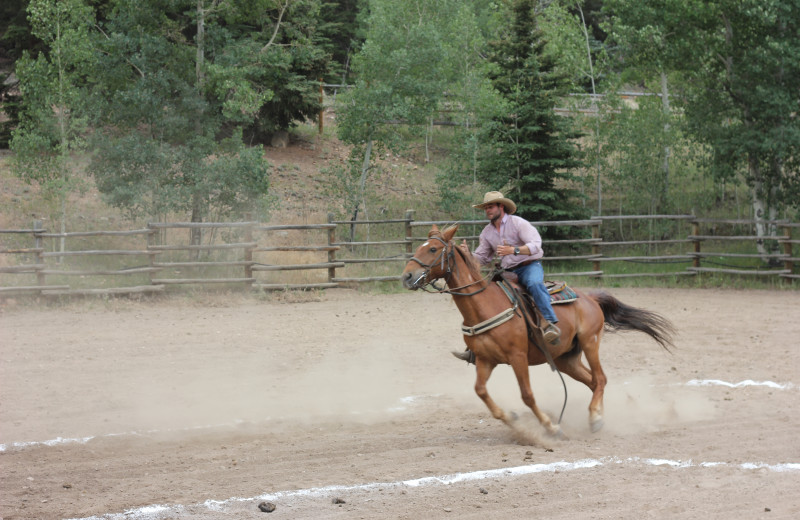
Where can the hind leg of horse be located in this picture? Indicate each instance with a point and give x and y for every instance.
(484, 370)
(574, 368)
(520, 366)
(591, 349)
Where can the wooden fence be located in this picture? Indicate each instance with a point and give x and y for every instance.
(312, 256)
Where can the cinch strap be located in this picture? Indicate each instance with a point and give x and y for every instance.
(491, 323)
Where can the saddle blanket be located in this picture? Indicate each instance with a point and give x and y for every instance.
(560, 292)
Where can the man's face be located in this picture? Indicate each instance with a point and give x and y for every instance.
(494, 211)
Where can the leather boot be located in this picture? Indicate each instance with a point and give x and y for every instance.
(551, 332)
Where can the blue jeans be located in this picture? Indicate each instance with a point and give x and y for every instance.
(532, 277)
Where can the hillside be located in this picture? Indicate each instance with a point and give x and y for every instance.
(299, 187)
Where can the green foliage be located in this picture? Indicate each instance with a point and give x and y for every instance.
(173, 107)
(146, 177)
(634, 145)
(529, 151)
(567, 43)
(342, 185)
(401, 76)
(54, 110)
(339, 23)
(286, 69)
(738, 65)
(15, 31)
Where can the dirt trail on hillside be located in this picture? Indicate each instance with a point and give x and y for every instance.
(351, 406)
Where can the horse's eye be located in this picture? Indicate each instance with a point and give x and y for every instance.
(433, 250)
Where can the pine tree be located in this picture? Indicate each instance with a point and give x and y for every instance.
(529, 150)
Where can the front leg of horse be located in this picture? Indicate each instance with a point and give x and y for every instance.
(484, 371)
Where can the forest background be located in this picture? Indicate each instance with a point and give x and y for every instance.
(169, 109)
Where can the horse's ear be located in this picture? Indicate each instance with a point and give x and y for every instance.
(450, 232)
(433, 231)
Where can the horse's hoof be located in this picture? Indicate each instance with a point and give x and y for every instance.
(558, 433)
(597, 425)
(513, 417)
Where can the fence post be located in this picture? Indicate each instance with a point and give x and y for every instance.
(409, 234)
(151, 259)
(38, 243)
(696, 233)
(248, 252)
(787, 250)
(596, 247)
(331, 248)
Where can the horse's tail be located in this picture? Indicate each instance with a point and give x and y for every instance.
(619, 316)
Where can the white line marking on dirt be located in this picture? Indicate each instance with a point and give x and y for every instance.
(159, 512)
(408, 400)
(740, 384)
(83, 440)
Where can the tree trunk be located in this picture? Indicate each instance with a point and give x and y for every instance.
(200, 56)
(362, 183)
(62, 129)
(665, 105)
(760, 211)
(594, 106)
(197, 216)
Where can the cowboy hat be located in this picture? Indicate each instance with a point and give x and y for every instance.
(493, 197)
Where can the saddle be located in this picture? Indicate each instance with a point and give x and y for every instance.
(524, 305)
(559, 292)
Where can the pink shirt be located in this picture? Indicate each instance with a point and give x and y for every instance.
(514, 231)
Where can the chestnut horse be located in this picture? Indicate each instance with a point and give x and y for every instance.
(581, 322)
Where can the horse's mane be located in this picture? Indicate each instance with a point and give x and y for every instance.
(473, 266)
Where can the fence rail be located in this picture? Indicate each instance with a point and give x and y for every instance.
(267, 257)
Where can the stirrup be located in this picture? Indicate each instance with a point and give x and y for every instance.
(467, 355)
(551, 333)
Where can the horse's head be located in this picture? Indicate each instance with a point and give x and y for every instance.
(431, 260)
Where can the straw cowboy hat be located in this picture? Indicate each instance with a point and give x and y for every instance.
(493, 197)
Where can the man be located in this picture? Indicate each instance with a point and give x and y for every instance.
(519, 246)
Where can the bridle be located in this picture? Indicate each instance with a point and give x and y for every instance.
(446, 258)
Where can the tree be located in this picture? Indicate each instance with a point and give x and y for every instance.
(398, 79)
(739, 65)
(340, 25)
(580, 56)
(289, 65)
(634, 143)
(53, 118)
(472, 99)
(529, 150)
(177, 88)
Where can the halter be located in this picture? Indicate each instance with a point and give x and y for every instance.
(449, 254)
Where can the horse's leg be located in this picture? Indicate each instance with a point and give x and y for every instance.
(574, 368)
(591, 349)
(519, 363)
(483, 371)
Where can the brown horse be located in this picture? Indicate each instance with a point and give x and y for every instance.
(479, 300)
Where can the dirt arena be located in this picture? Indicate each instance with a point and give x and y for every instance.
(350, 406)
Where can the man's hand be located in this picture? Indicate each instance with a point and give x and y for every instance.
(464, 247)
(505, 249)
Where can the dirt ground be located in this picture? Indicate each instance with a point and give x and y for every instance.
(350, 406)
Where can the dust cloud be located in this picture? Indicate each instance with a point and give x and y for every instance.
(378, 386)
